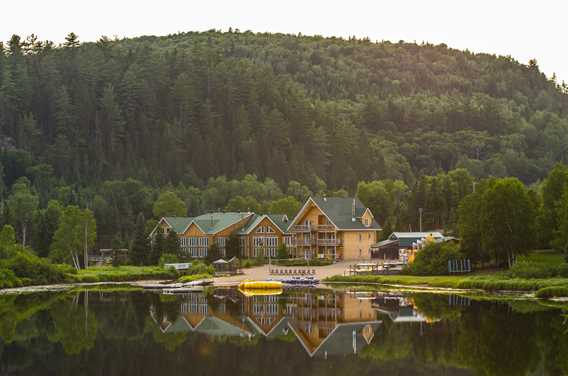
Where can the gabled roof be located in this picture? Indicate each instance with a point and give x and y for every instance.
(178, 224)
(212, 223)
(340, 341)
(279, 220)
(339, 210)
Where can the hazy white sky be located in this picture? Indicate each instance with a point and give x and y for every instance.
(523, 29)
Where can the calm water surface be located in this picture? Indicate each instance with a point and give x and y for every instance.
(300, 332)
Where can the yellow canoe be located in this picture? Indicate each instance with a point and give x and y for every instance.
(259, 292)
(260, 285)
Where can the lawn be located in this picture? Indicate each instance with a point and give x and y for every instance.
(121, 273)
(538, 270)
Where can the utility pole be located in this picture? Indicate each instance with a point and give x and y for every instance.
(420, 210)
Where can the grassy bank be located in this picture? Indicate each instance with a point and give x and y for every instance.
(539, 270)
(121, 273)
(490, 282)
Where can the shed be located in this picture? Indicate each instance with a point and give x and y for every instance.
(386, 250)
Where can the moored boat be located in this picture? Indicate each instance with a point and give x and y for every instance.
(260, 285)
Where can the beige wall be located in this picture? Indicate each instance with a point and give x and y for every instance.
(312, 213)
(356, 310)
(353, 241)
(265, 222)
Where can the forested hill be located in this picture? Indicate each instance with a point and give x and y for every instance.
(190, 106)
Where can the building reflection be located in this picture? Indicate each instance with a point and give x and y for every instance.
(325, 322)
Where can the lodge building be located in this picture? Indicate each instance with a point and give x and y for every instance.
(333, 228)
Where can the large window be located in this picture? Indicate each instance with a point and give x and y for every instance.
(197, 246)
(266, 246)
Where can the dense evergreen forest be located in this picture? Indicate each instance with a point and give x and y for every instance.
(238, 120)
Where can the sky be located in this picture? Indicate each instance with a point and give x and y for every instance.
(522, 29)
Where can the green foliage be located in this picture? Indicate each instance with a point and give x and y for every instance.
(22, 204)
(158, 247)
(303, 262)
(8, 279)
(552, 292)
(554, 204)
(171, 243)
(282, 252)
(31, 269)
(169, 204)
(243, 204)
(233, 246)
(121, 274)
(507, 219)
(140, 249)
(560, 231)
(76, 227)
(539, 265)
(194, 277)
(498, 221)
(168, 258)
(286, 205)
(199, 267)
(213, 253)
(433, 259)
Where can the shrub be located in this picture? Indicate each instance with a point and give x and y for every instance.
(552, 292)
(282, 252)
(527, 269)
(38, 270)
(168, 258)
(252, 262)
(8, 279)
(303, 262)
(433, 259)
(193, 277)
(199, 267)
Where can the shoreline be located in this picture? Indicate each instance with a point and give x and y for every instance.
(144, 284)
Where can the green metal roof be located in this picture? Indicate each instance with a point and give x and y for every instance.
(212, 223)
(280, 220)
(339, 211)
(179, 224)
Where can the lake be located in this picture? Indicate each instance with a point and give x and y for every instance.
(220, 331)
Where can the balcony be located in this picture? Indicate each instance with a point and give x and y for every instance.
(326, 227)
(301, 228)
(303, 242)
(329, 242)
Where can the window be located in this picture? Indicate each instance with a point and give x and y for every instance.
(266, 246)
(360, 237)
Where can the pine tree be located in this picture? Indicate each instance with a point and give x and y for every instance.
(140, 248)
(157, 248)
(172, 243)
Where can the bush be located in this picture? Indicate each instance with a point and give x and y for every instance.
(193, 277)
(282, 252)
(38, 270)
(168, 258)
(433, 259)
(552, 292)
(252, 262)
(199, 267)
(527, 269)
(303, 262)
(8, 279)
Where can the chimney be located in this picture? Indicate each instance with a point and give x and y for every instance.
(324, 197)
(353, 210)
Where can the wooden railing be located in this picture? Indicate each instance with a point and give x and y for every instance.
(330, 242)
(301, 228)
(326, 227)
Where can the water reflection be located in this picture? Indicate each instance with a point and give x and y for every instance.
(316, 331)
(324, 322)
